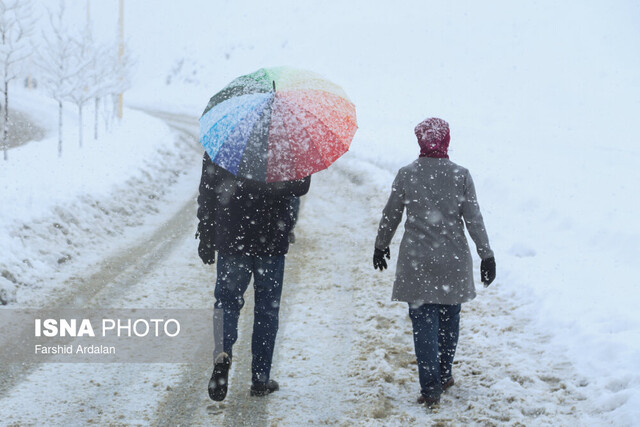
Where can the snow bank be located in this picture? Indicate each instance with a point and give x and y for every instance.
(54, 209)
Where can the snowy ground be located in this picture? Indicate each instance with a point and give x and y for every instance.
(344, 353)
(542, 99)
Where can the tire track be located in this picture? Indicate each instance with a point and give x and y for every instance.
(111, 277)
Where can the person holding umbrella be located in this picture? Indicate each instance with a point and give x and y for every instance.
(434, 272)
(264, 135)
(248, 222)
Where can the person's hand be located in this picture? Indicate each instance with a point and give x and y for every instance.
(378, 258)
(206, 252)
(488, 270)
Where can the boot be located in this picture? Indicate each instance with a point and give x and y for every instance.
(219, 381)
(430, 402)
(264, 389)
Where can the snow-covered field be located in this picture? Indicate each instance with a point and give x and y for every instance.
(542, 99)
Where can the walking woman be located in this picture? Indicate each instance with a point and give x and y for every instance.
(435, 271)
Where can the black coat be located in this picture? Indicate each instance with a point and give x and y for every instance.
(241, 216)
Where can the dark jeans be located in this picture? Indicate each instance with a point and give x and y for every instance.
(435, 336)
(234, 275)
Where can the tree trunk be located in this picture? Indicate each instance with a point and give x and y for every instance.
(115, 105)
(59, 128)
(95, 125)
(80, 125)
(5, 128)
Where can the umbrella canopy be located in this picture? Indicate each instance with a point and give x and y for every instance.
(277, 124)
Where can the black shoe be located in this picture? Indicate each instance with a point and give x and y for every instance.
(264, 389)
(220, 378)
(429, 402)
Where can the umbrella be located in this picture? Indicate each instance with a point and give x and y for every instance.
(277, 124)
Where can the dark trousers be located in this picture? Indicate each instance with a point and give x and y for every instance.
(234, 275)
(435, 336)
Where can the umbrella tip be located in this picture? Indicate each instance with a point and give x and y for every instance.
(274, 85)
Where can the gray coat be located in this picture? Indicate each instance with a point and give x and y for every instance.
(434, 263)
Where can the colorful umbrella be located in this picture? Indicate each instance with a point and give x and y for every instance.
(277, 124)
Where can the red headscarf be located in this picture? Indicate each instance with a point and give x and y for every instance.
(433, 137)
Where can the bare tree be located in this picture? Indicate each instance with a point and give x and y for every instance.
(116, 78)
(86, 57)
(16, 25)
(96, 110)
(76, 68)
(55, 61)
(107, 111)
(101, 81)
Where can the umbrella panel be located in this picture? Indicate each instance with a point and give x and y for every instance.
(258, 82)
(291, 79)
(304, 137)
(253, 164)
(234, 148)
(337, 114)
(291, 153)
(218, 123)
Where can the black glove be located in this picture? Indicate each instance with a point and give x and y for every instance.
(378, 258)
(206, 252)
(488, 270)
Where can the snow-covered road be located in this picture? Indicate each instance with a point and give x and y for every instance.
(344, 352)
